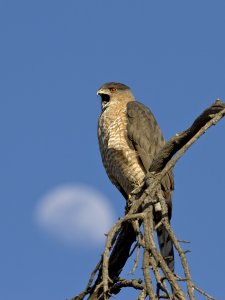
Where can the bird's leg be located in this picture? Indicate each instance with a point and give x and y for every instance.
(136, 190)
(134, 194)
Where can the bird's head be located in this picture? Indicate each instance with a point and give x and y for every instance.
(114, 90)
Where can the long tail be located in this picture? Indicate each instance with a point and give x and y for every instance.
(166, 246)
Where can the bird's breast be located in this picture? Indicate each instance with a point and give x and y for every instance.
(118, 155)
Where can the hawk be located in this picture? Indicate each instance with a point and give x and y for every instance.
(129, 138)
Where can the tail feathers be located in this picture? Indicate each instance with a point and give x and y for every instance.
(166, 247)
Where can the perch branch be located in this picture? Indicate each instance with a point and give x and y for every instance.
(122, 235)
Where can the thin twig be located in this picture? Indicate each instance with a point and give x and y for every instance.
(105, 261)
(87, 290)
(148, 281)
(184, 263)
(138, 246)
(120, 283)
(184, 241)
(159, 259)
(203, 293)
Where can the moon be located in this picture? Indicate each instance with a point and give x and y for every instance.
(75, 214)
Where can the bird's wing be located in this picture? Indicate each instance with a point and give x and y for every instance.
(144, 132)
(147, 139)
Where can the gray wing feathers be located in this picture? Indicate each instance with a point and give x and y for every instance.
(144, 132)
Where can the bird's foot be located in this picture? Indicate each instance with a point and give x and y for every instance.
(136, 190)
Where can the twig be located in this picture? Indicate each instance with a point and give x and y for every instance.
(136, 260)
(167, 226)
(138, 246)
(132, 251)
(148, 281)
(203, 293)
(87, 290)
(120, 283)
(159, 259)
(105, 261)
(142, 295)
(183, 241)
(182, 257)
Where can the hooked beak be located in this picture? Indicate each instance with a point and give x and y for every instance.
(105, 97)
(101, 92)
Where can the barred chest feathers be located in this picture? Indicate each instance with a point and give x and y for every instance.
(118, 155)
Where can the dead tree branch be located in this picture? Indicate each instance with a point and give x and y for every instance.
(123, 234)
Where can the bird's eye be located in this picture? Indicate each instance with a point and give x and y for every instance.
(112, 89)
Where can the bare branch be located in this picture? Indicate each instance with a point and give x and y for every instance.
(140, 209)
(186, 138)
(203, 293)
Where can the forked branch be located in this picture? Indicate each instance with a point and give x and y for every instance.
(122, 235)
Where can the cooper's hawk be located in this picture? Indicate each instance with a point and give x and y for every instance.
(129, 138)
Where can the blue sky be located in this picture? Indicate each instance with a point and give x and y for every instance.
(54, 55)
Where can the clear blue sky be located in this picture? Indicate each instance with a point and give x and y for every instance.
(54, 55)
